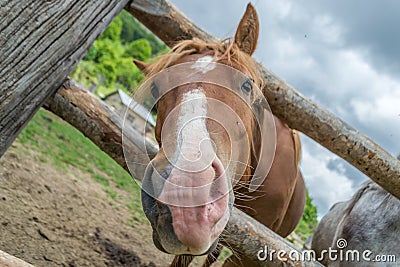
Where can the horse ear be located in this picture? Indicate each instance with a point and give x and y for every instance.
(142, 66)
(246, 36)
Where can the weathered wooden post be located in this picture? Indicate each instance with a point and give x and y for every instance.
(41, 42)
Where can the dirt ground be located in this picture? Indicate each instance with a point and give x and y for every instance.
(52, 218)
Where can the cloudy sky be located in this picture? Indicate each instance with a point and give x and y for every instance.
(344, 55)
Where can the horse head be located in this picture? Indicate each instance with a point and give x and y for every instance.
(208, 136)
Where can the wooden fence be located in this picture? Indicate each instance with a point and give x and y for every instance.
(41, 43)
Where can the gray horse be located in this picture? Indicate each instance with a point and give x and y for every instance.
(364, 231)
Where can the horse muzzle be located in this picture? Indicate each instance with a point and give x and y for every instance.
(187, 210)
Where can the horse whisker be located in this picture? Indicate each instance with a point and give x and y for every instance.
(244, 207)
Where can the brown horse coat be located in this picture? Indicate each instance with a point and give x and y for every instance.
(278, 203)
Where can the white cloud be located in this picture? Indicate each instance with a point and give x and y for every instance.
(327, 31)
(326, 186)
(380, 111)
(282, 9)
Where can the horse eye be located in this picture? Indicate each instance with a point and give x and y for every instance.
(247, 86)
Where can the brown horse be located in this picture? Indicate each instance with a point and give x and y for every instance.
(190, 134)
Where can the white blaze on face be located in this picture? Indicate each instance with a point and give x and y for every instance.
(196, 152)
(203, 64)
(197, 201)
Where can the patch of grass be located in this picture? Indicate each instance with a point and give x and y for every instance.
(137, 218)
(101, 179)
(111, 193)
(63, 146)
(135, 206)
(43, 159)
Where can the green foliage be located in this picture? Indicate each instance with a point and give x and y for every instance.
(106, 72)
(108, 65)
(113, 31)
(128, 75)
(104, 49)
(85, 73)
(139, 49)
(310, 212)
(132, 30)
(309, 220)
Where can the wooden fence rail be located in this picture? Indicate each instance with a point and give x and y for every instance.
(300, 113)
(36, 57)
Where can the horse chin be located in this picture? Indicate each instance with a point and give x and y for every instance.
(158, 245)
(164, 236)
(180, 249)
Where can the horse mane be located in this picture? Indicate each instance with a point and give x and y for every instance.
(225, 49)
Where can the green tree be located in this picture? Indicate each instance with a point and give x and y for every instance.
(108, 63)
(132, 30)
(85, 73)
(113, 31)
(104, 48)
(106, 72)
(128, 75)
(310, 214)
(139, 49)
(309, 220)
(104, 54)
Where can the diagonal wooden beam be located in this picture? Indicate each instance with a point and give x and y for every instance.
(299, 112)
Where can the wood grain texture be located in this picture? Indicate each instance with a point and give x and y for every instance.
(248, 236)
(40, 44)
(297, 111)
(7, 260)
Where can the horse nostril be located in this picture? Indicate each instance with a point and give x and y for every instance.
(215, 171)
(218, 168)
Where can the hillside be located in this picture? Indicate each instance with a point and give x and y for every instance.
(63, 202)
